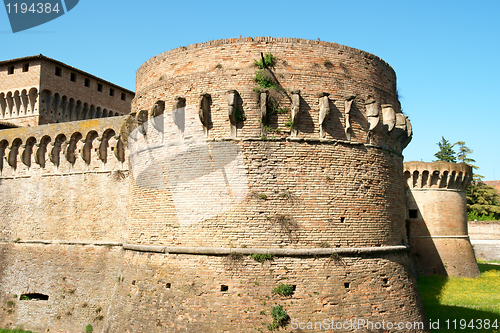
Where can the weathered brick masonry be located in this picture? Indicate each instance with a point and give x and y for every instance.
(180, 201)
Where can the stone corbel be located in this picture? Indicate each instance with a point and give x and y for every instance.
(399, 131)
(388, 120)
(8, 158)
(119, 150)
(156, 117)
(372, 114)
(295, 110)
(128, 128)
(409, 134)
(324, 110)
(263, 109)
(204, 111)
(231, 110)
(142, 122)
(179, 115)
(347, 115)
(101, 155)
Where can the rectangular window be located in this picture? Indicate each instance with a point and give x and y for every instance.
(111, 92)
(58, 71)
(26, 67)
(87, 83)
(99, 87)
(10, 70)
(72, 77)
(123, 97)
(413, 213)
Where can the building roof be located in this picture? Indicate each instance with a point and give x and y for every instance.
(494, 183)
(42, 57)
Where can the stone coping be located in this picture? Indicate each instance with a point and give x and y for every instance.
(284, 252)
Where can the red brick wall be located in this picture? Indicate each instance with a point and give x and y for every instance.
(218, 66)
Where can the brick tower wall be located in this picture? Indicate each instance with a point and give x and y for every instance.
(437, 217)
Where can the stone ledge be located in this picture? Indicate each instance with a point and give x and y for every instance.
(223, 250)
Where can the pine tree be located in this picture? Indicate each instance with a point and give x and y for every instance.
(446, 152)
(462, 155)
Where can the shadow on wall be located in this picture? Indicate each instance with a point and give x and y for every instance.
(431, 288)
(424, 253)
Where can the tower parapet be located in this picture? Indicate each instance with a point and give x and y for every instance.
(437, 218)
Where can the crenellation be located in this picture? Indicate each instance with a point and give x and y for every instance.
(63, 152)
(441, 175)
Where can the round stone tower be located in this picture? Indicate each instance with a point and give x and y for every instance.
(265, 161)
(437, 217)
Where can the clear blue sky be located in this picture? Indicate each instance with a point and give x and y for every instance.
(446, 53)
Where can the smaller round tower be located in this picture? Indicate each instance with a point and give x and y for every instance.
(437, 218)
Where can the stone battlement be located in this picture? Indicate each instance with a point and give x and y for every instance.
(74, 147)
(319, 90)
(437, 175)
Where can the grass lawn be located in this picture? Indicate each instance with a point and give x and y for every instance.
(17, 330)
(455, 302)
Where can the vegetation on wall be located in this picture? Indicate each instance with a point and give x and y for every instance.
(266, 79)
(280, 318)
(284, 289)
(262, 257)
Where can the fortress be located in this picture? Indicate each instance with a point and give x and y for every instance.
(185, 215)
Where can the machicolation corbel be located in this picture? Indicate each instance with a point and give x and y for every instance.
(372, 113)
(324, 110)
(204, 112)
(231, 103)
(295, 113)
(263, 109)
(179, 115)
(389, 120)
(156, 117)
(347, 115)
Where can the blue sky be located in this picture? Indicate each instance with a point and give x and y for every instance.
(446, 53)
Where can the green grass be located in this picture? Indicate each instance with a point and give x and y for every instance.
(462, 298)
(17, 330)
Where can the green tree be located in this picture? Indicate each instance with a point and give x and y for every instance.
(463, 157)
(446, 152)
(483, 199)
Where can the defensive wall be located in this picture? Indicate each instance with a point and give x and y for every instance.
(146, 223)
(437, 217)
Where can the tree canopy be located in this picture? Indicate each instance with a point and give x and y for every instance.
(446, 152)
(482, 199)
